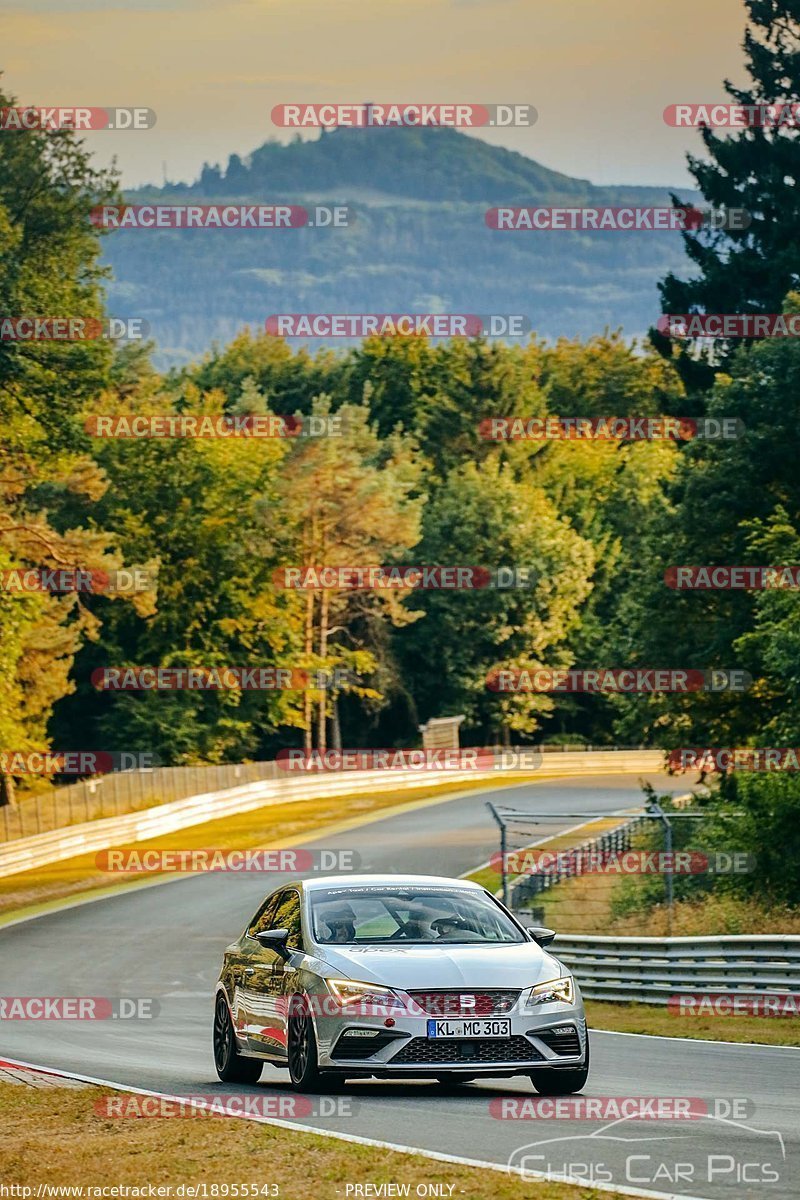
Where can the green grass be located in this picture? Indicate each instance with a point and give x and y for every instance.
(654, 1019)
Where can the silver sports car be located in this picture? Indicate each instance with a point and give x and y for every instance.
(396, 975)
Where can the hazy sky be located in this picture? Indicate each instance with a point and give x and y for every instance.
(600, 72)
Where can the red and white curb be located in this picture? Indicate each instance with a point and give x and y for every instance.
(38, 1077)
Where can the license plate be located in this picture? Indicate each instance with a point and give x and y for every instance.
(475, 1027)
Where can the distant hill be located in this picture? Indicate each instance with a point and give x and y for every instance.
(419, 243)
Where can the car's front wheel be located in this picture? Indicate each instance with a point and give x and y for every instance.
(559, 1082)
(231, 1066)
(302, 1049)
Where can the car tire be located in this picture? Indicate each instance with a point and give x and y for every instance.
(556, 1081)
(301, 1049)
(232, 1067)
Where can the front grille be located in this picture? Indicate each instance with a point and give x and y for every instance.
(461, 1002)
(560, 1043)
(422, 1051)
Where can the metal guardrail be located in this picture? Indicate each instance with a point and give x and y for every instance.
(118, 793)
(22, 854)
(651, 969)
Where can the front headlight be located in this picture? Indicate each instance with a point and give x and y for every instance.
(562, 989)
(351, 992)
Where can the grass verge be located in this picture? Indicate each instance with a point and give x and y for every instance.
(657, 1021)
(95, 1150)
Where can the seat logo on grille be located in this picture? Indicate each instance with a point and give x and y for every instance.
(467, 1001)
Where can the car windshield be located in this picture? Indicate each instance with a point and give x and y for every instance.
(404, 915)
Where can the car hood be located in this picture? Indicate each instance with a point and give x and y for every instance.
(409, 967)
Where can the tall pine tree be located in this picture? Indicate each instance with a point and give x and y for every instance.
(755, 168)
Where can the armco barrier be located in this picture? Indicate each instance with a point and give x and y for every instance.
(127, 791)
(24, 854)
(650, 969)
(121, 792)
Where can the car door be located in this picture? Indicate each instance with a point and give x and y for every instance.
(272, 979)
(248, 966)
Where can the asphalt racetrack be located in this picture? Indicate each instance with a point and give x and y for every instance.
(166, 941)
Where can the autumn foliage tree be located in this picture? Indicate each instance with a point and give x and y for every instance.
(49, 254)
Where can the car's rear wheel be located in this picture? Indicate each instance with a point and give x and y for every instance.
(232, 1067)
(302, 1049)
(560, 1082)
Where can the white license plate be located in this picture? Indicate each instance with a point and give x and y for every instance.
(475, 1027)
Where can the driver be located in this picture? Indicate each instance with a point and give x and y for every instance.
(341, 927)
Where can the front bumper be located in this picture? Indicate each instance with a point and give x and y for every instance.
(546, 1036)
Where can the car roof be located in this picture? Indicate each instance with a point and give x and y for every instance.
(385, 880)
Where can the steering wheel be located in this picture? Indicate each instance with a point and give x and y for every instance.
(409, 929)
(436, 925)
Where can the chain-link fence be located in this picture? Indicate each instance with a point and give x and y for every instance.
(122, 792)
(117, 793)
(580, 860)
(627, 872)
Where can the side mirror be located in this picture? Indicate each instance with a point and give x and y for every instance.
(274, 939)
(541, 935)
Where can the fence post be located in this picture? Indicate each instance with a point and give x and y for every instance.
(668, 872)
(503, 874)
(655, 810)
